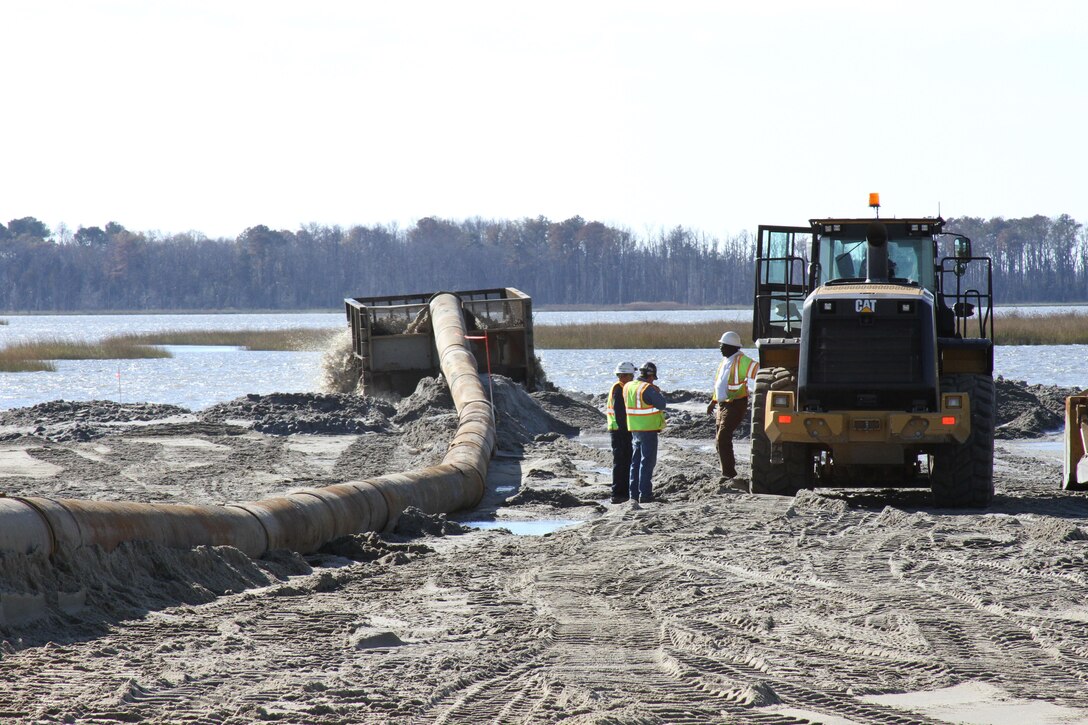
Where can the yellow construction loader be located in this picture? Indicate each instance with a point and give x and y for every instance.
(1075, 473)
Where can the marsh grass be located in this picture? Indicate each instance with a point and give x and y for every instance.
(1014, 329)
(10, 363)
(290, 339)
(36, 355)
(1064, 328)
(636, 335)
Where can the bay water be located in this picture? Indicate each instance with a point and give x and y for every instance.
(200, 376)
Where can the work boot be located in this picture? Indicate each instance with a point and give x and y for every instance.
(738, 483)
(620, 499)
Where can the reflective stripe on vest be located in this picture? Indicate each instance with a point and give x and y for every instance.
(610, 411)
(641, 416)
(737, 387)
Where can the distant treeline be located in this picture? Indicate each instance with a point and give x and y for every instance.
(1036, 259)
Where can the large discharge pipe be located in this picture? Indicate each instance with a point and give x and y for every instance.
(302, 520)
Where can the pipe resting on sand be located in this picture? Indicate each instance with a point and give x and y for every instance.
(302, 520)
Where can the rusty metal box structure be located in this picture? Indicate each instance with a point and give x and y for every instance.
(392, 339)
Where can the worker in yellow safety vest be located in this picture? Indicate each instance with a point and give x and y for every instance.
(616, 415)
(645, 407)
(730, 399)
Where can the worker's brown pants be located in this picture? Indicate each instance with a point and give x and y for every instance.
(730, 414)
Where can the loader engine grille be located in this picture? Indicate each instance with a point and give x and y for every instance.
(887, 352)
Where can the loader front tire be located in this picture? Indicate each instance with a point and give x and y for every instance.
(796, 471)
(962, 475)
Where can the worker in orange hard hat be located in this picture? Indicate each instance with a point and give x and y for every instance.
(730, 399)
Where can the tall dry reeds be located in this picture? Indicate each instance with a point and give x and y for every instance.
(636, 335)
(1062, 328)
(1013, 329)
(291, 339)
(34, 356)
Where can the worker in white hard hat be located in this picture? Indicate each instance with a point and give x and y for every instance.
(730, 400)
(616, 414)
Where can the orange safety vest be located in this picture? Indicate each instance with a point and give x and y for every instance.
(739, 372)
(641, 416)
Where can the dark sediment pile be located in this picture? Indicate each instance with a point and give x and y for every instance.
(1029, 411)
(90, 411)
(314, 413)
(425, 418)
(520, 417)
(65, 421)
(577, 411)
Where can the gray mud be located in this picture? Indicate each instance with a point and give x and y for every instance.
(720, 606)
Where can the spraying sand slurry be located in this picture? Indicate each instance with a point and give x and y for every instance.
(708, 606)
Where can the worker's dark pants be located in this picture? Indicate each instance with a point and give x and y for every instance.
(621, 463)
(731, 414)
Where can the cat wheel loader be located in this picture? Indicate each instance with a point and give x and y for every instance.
(876, 359)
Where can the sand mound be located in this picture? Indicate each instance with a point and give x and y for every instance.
(521, 417)
(64, 421)
(574, 409)
(1029, 411)
(88, 411)
(75, 590)
(314, 413)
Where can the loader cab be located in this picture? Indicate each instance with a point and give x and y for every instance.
(791, 262)
(911, 251)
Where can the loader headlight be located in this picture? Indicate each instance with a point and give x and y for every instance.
(781, 400)
(953, 402)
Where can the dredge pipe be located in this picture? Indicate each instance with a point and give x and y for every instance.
(302, 520)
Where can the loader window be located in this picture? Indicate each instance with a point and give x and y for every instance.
(911, 259)
(842, 259)
(908, 259)
(903, 259)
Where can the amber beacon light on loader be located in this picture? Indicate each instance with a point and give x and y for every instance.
(876, 359)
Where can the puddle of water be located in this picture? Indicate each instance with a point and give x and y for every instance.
(701, 445)
(524, 528)
(504, 489)
(595, 440)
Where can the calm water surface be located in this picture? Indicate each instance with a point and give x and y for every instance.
(197, 377)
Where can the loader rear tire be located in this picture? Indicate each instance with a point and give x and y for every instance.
(962, 475)
(796, 471)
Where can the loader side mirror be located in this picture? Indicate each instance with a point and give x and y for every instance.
(961, 250)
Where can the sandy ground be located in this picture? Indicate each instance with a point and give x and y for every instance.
(711, 605)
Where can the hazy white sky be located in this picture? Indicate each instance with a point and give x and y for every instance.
(176, 115)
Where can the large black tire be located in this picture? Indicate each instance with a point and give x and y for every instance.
(962, 476)
(796, 469)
